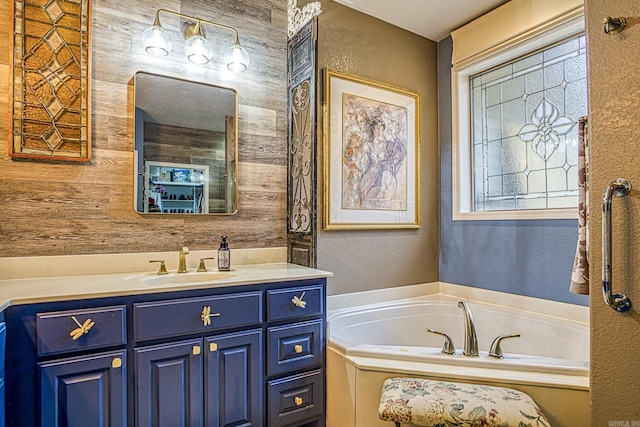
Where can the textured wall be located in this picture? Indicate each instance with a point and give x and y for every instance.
(57, 209)
(532, 258)
(357, 44)
(614, 90)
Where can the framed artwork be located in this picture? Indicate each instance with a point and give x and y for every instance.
(371, 154)
(50, 94)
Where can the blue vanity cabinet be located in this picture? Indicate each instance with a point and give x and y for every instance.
(169, 384)
(84, 391)
(296, 318)
(233, 380)
(215, 380)
(3, 336)
(250, 355)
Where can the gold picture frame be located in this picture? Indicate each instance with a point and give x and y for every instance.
(371, 154)
(50, 94)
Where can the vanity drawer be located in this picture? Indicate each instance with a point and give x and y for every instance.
(77, 330)
(292, 347)
(281, 303)
(160, 319)
(296, 398)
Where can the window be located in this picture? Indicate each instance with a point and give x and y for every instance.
(524, 131)
(516, 102)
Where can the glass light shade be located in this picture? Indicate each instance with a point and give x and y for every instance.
(156, 41)
(237, 58)
(198, 49)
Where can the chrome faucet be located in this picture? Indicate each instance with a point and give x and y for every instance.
(182, 260)
(470, 339)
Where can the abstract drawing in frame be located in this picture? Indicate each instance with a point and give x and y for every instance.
(371, 154)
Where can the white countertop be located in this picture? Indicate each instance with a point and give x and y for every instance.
(64, 288)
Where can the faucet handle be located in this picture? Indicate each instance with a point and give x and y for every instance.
(202, 267)
(447, 347)
(495, 350)
(163, 268)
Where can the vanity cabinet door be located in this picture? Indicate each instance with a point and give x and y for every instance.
(169, 386)
(84, 391)
(234, 380)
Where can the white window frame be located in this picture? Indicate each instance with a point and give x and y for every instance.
(520, 45)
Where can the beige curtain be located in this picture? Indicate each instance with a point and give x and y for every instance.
(580, 274)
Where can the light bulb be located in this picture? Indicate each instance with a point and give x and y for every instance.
(198, 49)
(237, 58)
(156, 41)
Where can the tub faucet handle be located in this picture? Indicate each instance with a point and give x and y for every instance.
(495, 350)
(447, 347)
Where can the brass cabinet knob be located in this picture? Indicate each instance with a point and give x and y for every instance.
(116, 363)
(298, 400)
(83, 328)
(297, 348)
(195, 350)
(298, 302)
(206, 315)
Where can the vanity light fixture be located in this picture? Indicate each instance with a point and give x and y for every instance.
(157, 42)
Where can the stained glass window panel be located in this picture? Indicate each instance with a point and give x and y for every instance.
(525, 132)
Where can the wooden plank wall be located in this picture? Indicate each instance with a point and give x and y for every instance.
(64, 209)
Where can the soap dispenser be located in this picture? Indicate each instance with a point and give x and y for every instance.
(224, 256)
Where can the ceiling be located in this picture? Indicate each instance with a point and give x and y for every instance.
(433, 19)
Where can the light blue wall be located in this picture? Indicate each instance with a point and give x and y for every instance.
(532, 258)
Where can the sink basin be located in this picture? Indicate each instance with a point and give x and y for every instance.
(183, 278)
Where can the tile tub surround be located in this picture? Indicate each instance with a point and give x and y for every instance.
(354, 380)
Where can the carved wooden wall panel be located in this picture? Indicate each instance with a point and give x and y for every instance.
(51, 80)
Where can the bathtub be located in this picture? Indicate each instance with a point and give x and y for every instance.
(372, 342)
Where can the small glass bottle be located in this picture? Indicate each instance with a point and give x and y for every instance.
(224, 256)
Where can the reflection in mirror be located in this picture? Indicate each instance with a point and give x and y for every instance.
(185, 146)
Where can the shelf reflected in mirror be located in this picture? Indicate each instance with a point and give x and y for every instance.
(185, 146)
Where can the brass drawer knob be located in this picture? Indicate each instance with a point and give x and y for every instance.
(206, 315)
(297, 348)
(298, 400)
(298, 302)
(82, 329)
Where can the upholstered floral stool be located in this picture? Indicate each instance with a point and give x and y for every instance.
(437, 403)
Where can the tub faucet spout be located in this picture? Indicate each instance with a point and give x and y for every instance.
(470, 339)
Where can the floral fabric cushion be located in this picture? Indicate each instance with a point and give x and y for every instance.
(443, 404)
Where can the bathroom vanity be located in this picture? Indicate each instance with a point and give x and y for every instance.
(243, 350)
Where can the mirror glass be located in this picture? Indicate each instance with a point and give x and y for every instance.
(185, 146)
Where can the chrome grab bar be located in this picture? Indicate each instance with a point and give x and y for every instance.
(619, 187)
